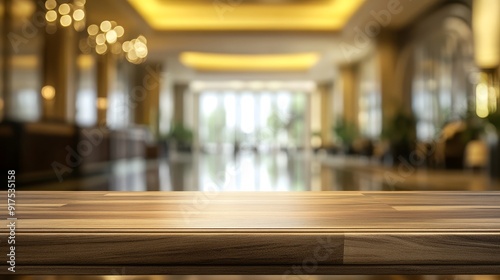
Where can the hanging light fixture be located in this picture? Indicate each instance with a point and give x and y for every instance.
(107, 37)
(65, 15)
(136, 50)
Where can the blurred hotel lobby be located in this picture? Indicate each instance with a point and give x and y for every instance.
(251, 95)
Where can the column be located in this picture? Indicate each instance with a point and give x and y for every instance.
(348, 78)
(308, 122)
(166, 107)
(316, 120)
(147, 77)
(188, 104)
(106, 79)
(337, 102)
(59, 81)
(390, 86)
(326, 113)
(5, 15)
(196, 123)
(179, 90)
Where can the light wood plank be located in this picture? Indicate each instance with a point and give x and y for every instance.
(256, 233)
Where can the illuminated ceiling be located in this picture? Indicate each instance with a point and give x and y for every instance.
(248, 63)
(246, 15)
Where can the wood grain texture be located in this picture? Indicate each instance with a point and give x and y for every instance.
(177, 248)
(256, 233)
(259, 270)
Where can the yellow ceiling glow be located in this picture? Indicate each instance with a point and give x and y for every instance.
(249, 63)
(299, 15)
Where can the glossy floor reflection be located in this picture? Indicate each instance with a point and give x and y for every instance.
(277, 171)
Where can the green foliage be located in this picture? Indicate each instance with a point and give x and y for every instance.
(181, 134)
(474, 126)
(494, 119)
(401, 128)
(345, 131)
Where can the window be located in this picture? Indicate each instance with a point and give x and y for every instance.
(441, 85)
(369, 106)
(251, 119)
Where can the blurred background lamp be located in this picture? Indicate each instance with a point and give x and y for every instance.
(101, 49)
(66, 20)
(51, 16)
(105, 26)
(486, 30)
(48, 92)
(102, 103)
(119, 31)
(100, 39)
(78, 15)
(64, 9)
(93, 30)
(50, 4)
(111, 37)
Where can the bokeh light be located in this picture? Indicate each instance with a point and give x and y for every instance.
(48, 92)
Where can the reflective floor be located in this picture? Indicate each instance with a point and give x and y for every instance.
(274, 171)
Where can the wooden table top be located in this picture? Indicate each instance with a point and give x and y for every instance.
(255, 233)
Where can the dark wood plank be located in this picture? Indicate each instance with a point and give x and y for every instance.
(177, 249)
(284, 272)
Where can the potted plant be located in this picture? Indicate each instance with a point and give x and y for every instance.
(180, 137)
(346, 133)
(400, 131)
